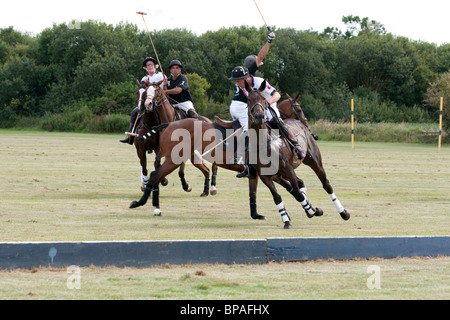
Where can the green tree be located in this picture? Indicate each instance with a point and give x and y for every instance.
(382, 63)
(22, 84)
(306, 63)
(440, 88)
(443, 53)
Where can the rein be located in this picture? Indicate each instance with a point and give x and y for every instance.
(296, 111)
(252, 117)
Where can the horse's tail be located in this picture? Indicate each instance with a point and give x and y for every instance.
(155, 130)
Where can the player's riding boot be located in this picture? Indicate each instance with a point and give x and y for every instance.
(245, 171)
(129, 139)
(134, 115)
(192, 114)
(245, 165)
(300, 153)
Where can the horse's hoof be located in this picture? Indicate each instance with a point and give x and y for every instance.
(135, 204)
(164, 182)
(204, 195)
(213, 191)
(143, 188)
(345, 215)
(157, 212)
(259, 217)
(319, 212)
(189, 189)
(287, 226)
(310, 215)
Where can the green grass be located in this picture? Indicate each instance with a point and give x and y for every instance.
(77, 187)
(407, 279)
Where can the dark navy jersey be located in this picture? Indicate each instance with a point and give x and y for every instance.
(183, 83)
(240, 94)
(253, 68)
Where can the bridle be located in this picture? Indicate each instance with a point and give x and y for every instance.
(157, 101)
(251, 109)
(141, 100)
(294, 109)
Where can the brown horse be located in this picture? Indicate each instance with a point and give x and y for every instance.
(288, 161)
(180, 140)
(155, 109)
(290, 109)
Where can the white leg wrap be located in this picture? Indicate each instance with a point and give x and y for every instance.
(337, 203)
(283, 212)
(144, 179)
(308, 208)
(303, 190)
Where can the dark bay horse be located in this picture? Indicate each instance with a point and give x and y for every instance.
(180, 140)
(155, 109)
(291, 109)
(288, 161)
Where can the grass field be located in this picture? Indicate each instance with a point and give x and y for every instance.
(77, 187)
(398, 279)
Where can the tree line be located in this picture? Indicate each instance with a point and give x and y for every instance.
(95, 65)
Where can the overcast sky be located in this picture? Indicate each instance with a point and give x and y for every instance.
(417, 20)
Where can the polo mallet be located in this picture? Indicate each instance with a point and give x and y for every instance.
(132, 134)
(199, 157)
(151, 40)
(268, 28)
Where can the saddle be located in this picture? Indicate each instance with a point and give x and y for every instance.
(226, 129)
(227, 124)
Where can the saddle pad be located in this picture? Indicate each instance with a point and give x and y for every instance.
(222, 134)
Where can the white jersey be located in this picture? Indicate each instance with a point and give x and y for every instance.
(155, 78)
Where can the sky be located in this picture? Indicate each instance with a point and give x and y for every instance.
(417, 20)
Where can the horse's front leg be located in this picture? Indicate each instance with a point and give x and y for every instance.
(278, 201)
(301, 187)
(144, 172)
(253, 186)
(152, 187)
(318, 168)
(300, 196)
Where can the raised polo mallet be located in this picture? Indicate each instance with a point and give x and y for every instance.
(268, 28)
(151, 40)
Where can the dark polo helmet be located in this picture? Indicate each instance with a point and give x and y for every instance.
(175, 63)
(144, 64)
(239, 73)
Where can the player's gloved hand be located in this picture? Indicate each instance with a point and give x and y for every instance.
(271, 35)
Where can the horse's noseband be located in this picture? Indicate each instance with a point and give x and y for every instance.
(157, 100)
(253, 117)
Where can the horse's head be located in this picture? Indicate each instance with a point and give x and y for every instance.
(141, 95)
(154, 95)
(256, 104)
